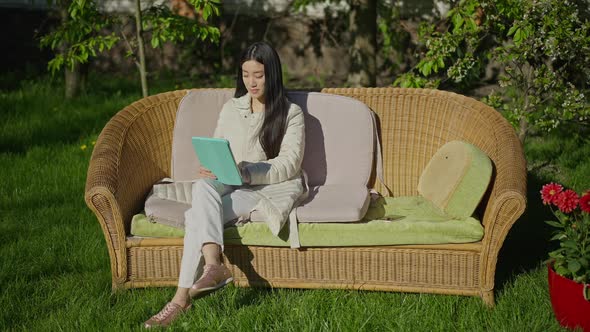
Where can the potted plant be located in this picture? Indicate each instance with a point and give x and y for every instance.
(569, 265)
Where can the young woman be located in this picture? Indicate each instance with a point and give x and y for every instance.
(266, 135)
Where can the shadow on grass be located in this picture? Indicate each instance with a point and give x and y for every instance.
(527, 243)
(253, 296)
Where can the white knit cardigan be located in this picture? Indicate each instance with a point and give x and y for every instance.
(279, 180)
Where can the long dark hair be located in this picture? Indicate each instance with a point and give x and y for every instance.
(276, 104)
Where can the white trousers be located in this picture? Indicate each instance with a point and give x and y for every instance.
(213, 205)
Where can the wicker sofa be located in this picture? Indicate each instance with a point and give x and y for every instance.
(413, 124)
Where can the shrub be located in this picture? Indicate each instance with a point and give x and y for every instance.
(542, 46)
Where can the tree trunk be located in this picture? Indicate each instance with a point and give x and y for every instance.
(72, 81)
(226, 64)
(72, 77)
(523, 128)
(523, 124)
(141, 49)
(363, 34)
(75, 80)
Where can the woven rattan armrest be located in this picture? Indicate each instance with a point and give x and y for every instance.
(132, 152)
(507, 199)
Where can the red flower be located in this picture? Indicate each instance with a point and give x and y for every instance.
(567, 201)
(585, 202)
(549, 193)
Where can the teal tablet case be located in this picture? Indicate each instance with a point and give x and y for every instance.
(215, 154)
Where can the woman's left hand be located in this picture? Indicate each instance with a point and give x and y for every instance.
(206, 173)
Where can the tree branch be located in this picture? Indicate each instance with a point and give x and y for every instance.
(129, 47)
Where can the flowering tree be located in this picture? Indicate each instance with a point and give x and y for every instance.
(542, 46)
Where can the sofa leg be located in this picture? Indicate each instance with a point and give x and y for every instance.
(117, 285)
(488, 298)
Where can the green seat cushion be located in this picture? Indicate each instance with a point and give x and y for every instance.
(389, 221)
(456, 178)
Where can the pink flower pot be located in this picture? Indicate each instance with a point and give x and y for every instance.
(567, 298)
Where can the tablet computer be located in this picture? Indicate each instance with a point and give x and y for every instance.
(215, 154)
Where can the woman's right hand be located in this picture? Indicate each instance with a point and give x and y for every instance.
(205, 173)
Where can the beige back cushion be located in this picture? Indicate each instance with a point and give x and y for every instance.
(197, 116)
(338, 144)
(338, 138)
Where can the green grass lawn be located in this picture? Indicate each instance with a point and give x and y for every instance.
(55, 271)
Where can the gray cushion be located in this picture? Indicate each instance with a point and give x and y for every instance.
(338, 131)
(338, 152)
(170, 212)
(338, 138)
(165, 211)
(335, 203)
(179, 191)
(197, 116)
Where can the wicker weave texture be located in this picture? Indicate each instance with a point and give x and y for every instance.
(364, 267)
(413, 124)
(154, 263)
(140, 134)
